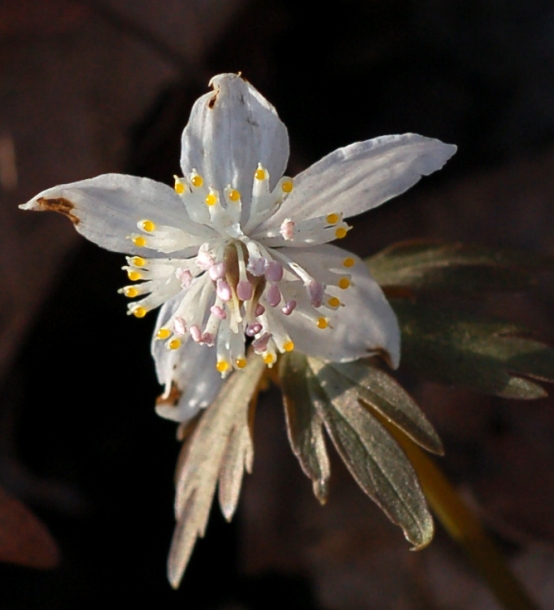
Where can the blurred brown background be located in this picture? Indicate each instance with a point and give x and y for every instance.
(93, 86)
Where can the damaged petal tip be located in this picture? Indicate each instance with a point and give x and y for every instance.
(59, 204)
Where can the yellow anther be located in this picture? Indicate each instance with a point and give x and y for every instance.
(134, 276)
(234, 195)
(147, 225)
(139, 241)
(269, 358)
(260, 174)
(138, 261)
(344, 283)
(179, 186)
(334, 302)
(340, 233)
(222, 366)
(197, 181)
(287, 186)
(288, 346)
(240, 362)
(348, 261)
(139, 312)
(322, 323)
(163, 333)
(174, 344)
(130, 291)
(332, 219)
(211, 199)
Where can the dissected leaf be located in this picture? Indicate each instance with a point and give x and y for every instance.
(304, 425)
(373, 457)
(382, 392)
(460, 348)
(23, 538)
(424, 265)
(220, 446)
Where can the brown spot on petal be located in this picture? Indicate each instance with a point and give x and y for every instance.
(61, 205)
(171, 399)
(213, 99)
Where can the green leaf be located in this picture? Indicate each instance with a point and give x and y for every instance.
(430, 266)
(373, 457)
(459, 348)
(219, 447)
(384, 394)
(304, 425)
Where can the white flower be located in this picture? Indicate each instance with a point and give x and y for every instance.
(236, 251)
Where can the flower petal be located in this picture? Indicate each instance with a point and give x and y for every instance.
(361, 176)
(189, 375)
(364, 324)
(106, 209)
(230, 131)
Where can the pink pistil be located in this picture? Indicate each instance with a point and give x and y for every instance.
(260, 309)
(196, 333)
(218, 312)
(208, 339)
(244, 290)
(204, 259)
(179, 326)
(260, 344)
(223, 290)
(274, 272)
(289, 307)
(257, 266)
(273, 295)
(184, 276)
(287, 229)
(316, 292)
(217, 271)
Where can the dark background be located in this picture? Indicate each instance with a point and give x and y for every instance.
(89, 87)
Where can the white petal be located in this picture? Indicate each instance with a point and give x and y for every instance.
(190, 369)
(230, 131)
(365, 324)
(106, 209)
(361, 176)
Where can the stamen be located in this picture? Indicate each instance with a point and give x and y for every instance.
(274, 271)
(139, 312)
(344, 283)
(163, 333)
(174, 344)
(223, 290)
(211, 199)
(332, 219)
(287, 186)
(130, 291)
(287, 229)
(134, 276)
(260, 173)
(322, 323)
(273, 295)
(240, 363)
(234, 195)
(138, 261)
(222, 366)
(180, 326)
(196, 180)
(288, 346)
(139, 241)
(340, 233)
(348, 262)
(218, 312)
(147, 225)
(334, 302)
(179, 186)
(269, 359)
(289, 307)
